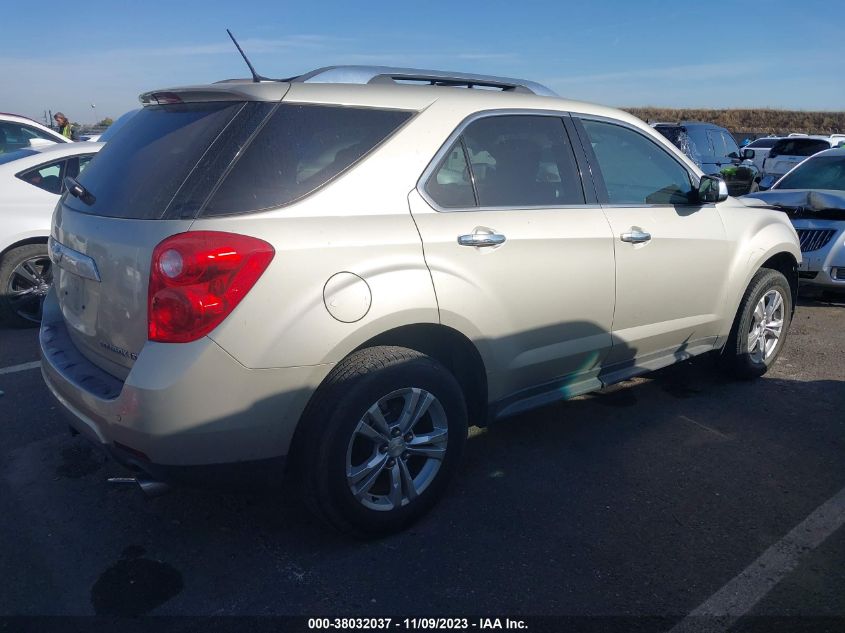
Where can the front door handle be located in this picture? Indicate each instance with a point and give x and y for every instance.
(635, 236)
(481, 239)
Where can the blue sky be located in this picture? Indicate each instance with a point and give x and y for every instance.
(679, 54)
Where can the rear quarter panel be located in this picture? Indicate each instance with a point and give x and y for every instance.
(360, 224)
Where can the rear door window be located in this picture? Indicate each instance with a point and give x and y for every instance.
(299, 149)
(512, 161)
(635, 169)
(46, 177)
(451, 185)
(522, 161)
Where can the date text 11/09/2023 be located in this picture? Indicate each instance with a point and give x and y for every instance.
(430, 624)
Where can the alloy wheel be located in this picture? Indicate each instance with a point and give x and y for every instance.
(397, 449)
(28, 285)
(766, 326)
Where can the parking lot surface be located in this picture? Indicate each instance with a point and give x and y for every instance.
(642, 500)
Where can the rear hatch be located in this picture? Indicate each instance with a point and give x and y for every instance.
(192, 154)
(146, 184)
(788, 152)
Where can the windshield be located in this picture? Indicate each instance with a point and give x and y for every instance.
(823, 172)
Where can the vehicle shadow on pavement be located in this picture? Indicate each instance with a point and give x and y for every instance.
(682, 475)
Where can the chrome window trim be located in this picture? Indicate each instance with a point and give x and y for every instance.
(456, 133)
(695, 180)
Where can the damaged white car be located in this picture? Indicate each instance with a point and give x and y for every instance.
(813, 195)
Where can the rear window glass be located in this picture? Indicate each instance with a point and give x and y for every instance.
(121, 121)
(798, 147)
(822, 172)
(300, 148)
(137, 173)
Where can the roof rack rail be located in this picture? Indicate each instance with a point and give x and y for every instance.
(387, 74)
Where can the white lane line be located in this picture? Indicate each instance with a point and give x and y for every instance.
(738, 597)
(22, 367)
(705, 427)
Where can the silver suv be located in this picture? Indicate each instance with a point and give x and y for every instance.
(333, 275)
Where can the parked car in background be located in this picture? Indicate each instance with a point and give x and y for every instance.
(31, 181)
(761, 147)
(715, 151)
(337, 273)
(813, 196)
(788, 152)
(19, 132)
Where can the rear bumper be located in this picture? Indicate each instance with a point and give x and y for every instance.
(182, 408)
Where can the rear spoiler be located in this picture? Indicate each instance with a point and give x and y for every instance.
(229, 91)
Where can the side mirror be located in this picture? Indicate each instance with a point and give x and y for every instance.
(747, 154)
(712, 189)
(733, 155)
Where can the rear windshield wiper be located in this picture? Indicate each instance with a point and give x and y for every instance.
(79, 191)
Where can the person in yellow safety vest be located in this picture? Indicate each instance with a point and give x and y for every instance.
(64, 125)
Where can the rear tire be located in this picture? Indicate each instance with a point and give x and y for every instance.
(380, 441)
(25, 277)
(760, 326)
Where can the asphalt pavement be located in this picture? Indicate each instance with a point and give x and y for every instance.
(642, 500)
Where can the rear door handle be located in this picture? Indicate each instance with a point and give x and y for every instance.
(481, 239)
(635, 236)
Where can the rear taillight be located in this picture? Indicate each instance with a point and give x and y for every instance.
(197, 279)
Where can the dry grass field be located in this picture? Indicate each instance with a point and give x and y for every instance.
(762, 121)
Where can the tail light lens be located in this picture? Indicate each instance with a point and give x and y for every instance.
(197, 279)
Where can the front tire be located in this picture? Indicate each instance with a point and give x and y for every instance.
(760, 326)
(381, 439)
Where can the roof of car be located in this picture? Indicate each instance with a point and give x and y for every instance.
(388, 94)
(833, 151)
(400, 95)
(38, 155)
(17, 118)
(692, 124)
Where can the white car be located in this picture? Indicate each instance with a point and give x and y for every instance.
(31, 181)
(813, 196)
(787, 152)
(19, 132)
(762, 147)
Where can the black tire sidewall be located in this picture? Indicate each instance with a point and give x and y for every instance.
(762, 283)
(351, 404)
(11, 260)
